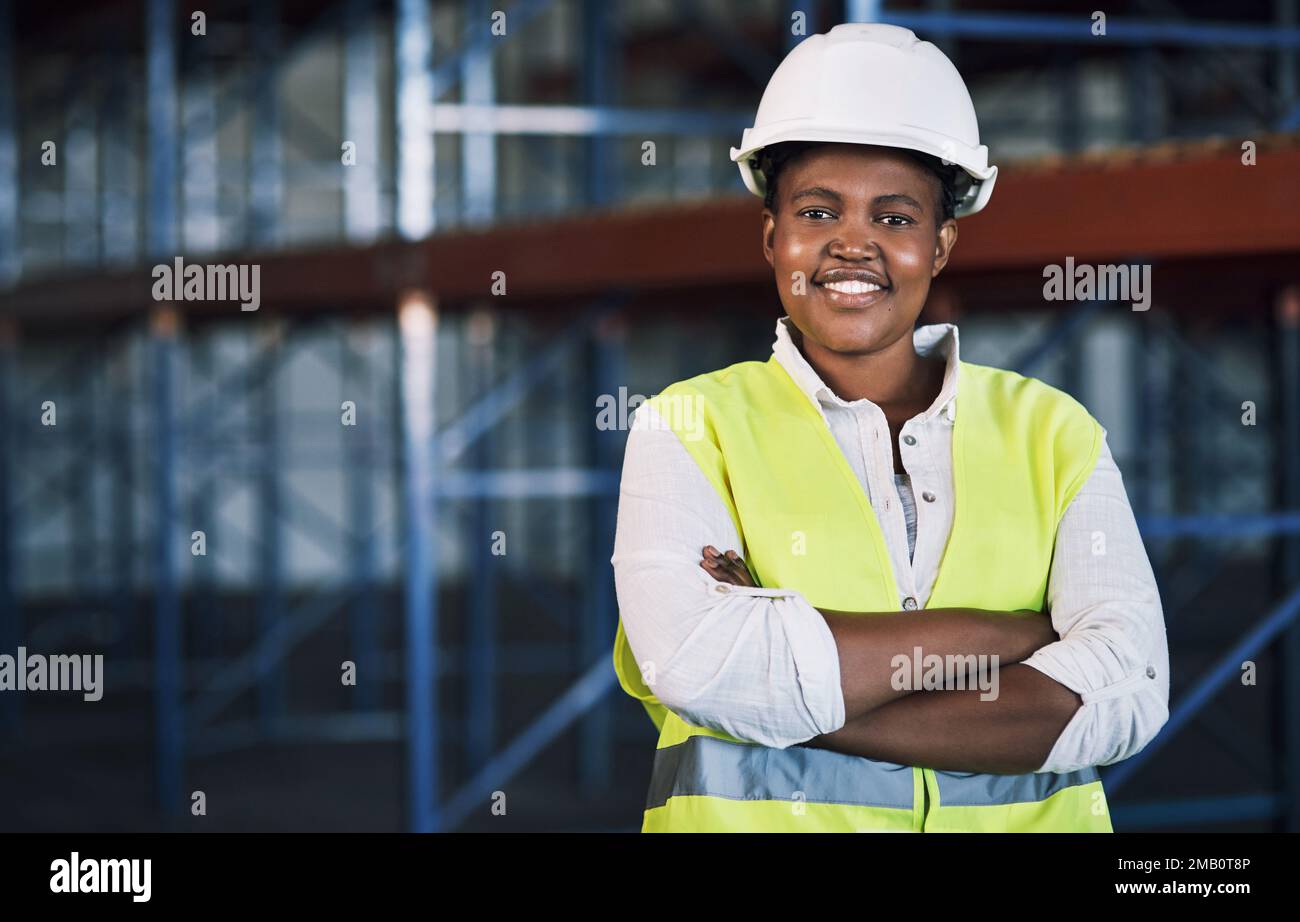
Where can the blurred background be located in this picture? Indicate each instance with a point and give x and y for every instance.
(478, 224)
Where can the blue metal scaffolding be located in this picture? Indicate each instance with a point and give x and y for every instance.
(445, 463)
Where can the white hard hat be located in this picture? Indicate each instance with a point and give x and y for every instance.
(869, 83)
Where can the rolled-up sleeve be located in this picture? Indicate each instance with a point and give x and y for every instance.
(759, 664)
(1105, 605)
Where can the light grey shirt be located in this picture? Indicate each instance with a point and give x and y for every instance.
(906, 499)
(762, 665)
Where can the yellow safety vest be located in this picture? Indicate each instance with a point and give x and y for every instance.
(1021, 450)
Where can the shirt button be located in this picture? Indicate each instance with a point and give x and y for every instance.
(722, 587)
(909, 439)
(909, 603)
(1151, 672)
(927, 496)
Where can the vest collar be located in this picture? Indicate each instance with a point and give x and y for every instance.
(939, 339)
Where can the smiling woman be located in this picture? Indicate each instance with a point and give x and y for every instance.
(864, 226)
(840, 518)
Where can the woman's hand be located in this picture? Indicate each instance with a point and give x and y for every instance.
(727, 568)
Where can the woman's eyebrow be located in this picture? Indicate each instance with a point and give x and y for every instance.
(817, 192)
(893, 198)
(897, 198)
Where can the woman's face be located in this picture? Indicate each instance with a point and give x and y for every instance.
(862, 225)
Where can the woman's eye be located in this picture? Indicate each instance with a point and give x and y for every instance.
(809, 212)
(902, 219)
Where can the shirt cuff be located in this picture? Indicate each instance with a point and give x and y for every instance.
(813, 650)
(816, 659)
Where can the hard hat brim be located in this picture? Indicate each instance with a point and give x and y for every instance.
(974, 162)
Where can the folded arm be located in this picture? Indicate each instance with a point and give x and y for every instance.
(761, 664)
(1105, 606)
(1096, 696)
(957, 730)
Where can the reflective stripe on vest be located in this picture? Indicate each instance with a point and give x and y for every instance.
(963, 789)
(1020, 450)
(708, 766)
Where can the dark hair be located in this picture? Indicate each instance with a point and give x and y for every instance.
(772, 160)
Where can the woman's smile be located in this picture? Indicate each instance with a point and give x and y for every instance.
(854, 299)
(852, 289)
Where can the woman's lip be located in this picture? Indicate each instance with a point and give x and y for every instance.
(843, 299)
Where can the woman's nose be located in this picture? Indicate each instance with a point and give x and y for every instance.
(853, 245)
(854, 237)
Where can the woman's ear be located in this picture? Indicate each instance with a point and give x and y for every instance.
(768, 220)
(945, 240)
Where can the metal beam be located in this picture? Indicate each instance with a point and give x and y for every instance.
(168, 705)
(1235, 527)
(863, 10)
(362, 474)
(1253, 94)
(119, 185)
(586, 120)
(1220, 673)
(478, 148)
(1287, 363)
(80, 167)
(125, 556)
(415, 171)
(10, 176)
(1077, 30)
(417, 326)
(578, 256)
(362, 220)
(238, 674)
(1076, 318)
(1287, 16)
(601, 69)
(268, 423)
(456, 437)
(162, 105)
(200, 183)
(476, 793)
(606, 368)
(749, 57)
(481, 635)
(11, 629)
(447, 73)
(207, 616)
(265, 180)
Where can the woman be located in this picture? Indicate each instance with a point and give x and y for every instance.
(873, 651)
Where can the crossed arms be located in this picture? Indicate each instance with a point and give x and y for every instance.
(763, 665)
(951, 729)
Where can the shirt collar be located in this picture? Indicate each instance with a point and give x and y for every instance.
(938, 339)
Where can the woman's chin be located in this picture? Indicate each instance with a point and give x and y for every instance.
(852, 335)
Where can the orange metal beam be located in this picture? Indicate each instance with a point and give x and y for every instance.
(1185, 209)
(1117, 209)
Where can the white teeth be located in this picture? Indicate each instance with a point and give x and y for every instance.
(851, 287)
